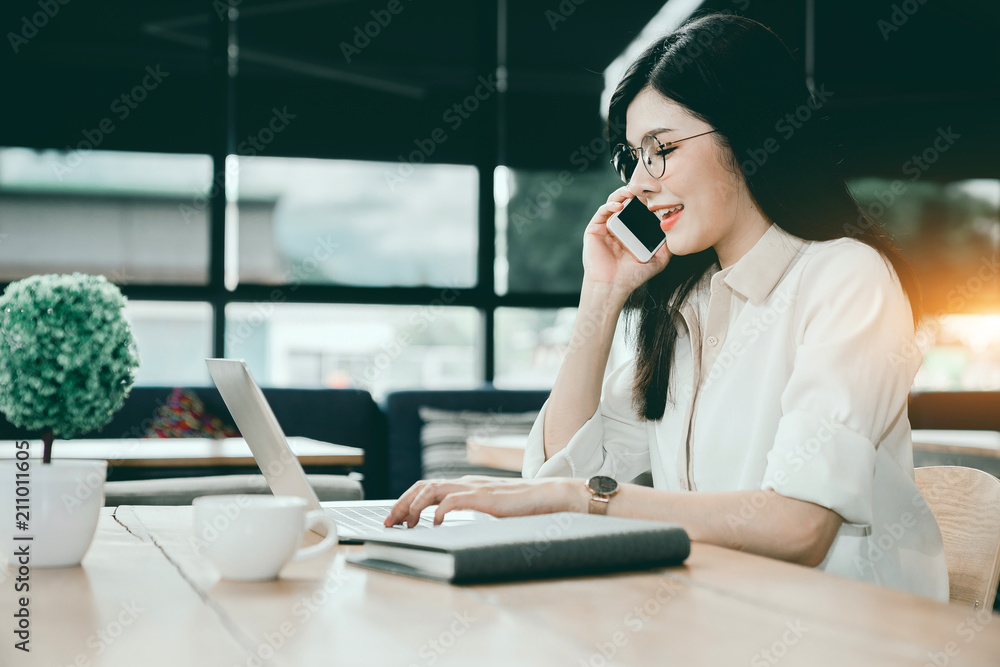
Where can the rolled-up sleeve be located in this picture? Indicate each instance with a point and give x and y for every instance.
(853, 366)
(613, 442)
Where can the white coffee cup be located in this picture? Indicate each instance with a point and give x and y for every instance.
(251, 537)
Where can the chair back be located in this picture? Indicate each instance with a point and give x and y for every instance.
(966, 504)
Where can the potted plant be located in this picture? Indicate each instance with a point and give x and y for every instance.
(67, 362)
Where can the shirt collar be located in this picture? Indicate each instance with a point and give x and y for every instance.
(756, 274)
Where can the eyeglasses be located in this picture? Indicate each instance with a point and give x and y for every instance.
(654, 156)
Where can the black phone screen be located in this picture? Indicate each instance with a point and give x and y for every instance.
(643, 224)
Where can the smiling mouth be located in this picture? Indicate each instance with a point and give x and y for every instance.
(667, 212)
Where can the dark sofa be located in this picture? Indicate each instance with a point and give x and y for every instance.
(401, 410)
(389, 431)
(343, 416)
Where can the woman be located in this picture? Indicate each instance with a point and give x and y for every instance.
(769, 387)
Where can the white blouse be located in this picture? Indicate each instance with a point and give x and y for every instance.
(791, 372)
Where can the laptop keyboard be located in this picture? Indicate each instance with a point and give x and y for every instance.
(360, 521)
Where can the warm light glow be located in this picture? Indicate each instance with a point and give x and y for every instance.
(960, 352)
(977, 332)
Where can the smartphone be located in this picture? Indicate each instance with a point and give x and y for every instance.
(637, 229)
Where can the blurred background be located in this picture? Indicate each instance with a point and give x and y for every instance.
(390, 194)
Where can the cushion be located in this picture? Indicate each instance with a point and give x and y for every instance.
(182, 490)
(444, 434)
(184, 416)
(402, 461)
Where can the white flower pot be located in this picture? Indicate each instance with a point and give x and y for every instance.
(62, 501)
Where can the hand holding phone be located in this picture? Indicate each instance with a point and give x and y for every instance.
(637, 229)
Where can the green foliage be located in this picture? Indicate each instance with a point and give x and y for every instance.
(67, 355)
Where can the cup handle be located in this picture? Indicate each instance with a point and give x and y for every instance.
(312, 518)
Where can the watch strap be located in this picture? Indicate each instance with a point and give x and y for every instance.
(599, 504)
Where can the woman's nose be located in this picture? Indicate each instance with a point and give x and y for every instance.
(642, 183)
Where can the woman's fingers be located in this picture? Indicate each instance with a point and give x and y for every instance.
(432, 494)
(615, 203)
(621, 194)
(402, 507)
(460, 500)
(419, 497)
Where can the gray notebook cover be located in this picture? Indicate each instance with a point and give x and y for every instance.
(545, 545)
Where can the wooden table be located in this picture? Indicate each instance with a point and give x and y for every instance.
(171, 456)
(144, 597)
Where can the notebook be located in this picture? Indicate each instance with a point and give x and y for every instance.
(546, 545)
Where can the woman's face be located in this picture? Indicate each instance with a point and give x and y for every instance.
(718, 210)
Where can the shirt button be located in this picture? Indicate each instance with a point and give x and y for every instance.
(712, 340)
(683, 483)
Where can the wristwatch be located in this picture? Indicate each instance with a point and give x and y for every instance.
(601, 489)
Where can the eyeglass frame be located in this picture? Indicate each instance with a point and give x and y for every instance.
(662, 147)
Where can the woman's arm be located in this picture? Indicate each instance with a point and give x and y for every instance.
(610, 275)
(576, 392)
(760, 522)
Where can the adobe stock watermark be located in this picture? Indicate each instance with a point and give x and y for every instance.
(495, 422)
(795, 459)
(967, 631)
(891, 534)
(418, 322)
(453, 117)
(322, 252)
(635, 620)
(100, 641)
(898, 17)
(561, 13)
(915, 167)
(246, 150)
(363, 35)
(86, 486)
(93, 481)
(734, 348)
(30, 25)
(302, 610)
(210, 530)
(786, 127)
(584, 156)
(121, 108)
(436, 647)
(12, 340)
(780, 647)
(695, 45)
(965, 291)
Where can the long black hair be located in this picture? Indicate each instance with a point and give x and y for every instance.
(736, 75)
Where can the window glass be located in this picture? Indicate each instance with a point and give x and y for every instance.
(174, 339)
(531, 344)
(356, 223)
(378, 348)
(133, 217)
(541, 216)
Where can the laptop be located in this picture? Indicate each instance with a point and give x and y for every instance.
(355, 520)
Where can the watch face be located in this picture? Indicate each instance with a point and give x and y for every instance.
(602, 485)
